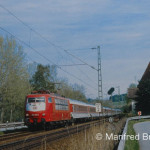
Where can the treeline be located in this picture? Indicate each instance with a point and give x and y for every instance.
(17, 79)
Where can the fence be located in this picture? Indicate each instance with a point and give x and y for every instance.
(11, 126)
(122, 141)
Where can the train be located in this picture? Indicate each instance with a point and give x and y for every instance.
(47, 110)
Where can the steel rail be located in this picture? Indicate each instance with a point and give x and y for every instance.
(31, 142)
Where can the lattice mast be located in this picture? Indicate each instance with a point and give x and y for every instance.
(100, 90)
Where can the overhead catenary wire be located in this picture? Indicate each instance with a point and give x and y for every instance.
(37, 63)
(85, 74)
(80, 49)
(28, 26)
(72, 65)
(80, 60)
(82, 72)
(41, 36)
(59, 67)
(51, 43)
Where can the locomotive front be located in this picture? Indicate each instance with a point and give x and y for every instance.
(35, 110)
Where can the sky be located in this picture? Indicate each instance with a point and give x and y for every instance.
(121, 29)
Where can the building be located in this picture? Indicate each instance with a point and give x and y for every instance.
(132, 91)
(146, 74)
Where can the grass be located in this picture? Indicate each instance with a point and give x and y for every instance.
(1, 133)
(86, 140)
(133, 144)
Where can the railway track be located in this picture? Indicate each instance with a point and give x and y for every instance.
(29, 142)
(10, 138)
(12, 135)
(19, 135)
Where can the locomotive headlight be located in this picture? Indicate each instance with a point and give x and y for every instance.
(27, 115)
(43, 114)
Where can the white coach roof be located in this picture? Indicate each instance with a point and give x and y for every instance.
(77, 102)
(72, 101)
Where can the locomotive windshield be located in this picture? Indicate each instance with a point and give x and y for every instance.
(36, 99)
(35, 104)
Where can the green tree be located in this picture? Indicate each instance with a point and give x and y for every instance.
(126, 108)
(73, 91)
(44, 78)
(143, 97)
(14, 81)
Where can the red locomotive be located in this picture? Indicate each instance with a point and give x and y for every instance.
(47, 109)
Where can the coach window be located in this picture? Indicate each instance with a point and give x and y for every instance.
(49, 99)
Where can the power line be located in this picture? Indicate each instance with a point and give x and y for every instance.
(41, 36)
(80, 49)
(79, 70)
(46, 58)
(86, 75)
(81, 60)
(82, 72)
(72, 65)
(31, 29)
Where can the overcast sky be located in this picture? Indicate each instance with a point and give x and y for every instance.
(121, 28)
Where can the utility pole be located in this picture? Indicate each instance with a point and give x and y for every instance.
(100, 91)
(119, 101)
